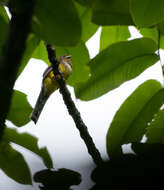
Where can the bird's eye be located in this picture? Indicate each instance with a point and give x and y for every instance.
(68, 56)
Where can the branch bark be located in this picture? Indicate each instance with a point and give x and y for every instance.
(14, 47)
(73, 111)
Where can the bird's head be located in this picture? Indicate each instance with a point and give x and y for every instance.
(65, 65)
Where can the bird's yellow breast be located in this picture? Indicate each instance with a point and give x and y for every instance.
(50, 83)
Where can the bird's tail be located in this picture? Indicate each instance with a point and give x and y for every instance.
(39, 106)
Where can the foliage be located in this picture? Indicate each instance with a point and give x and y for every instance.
(114, 69)
(61, 179)
(131, 120)
(68, 25)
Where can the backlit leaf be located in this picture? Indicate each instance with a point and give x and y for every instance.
(13, 164)
(57, 22)
(30, 143)
(113, 34)
(111, 12)
(116, 64)
(20, 109)
(148, 12)
(132, 119)
(88, 28)
(155, 132)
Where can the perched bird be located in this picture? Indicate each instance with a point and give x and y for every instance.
(49, 85)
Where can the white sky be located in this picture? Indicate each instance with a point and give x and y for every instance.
(57, 131)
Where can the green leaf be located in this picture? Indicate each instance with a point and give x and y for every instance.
(3, 14)
(161, 28)
(41, 53)
(131, 120)
(87, 3)
(155, 132)
(113, 34)
(80, 59)
(148, 12)
(120, 62)
(153, 34)
(20, 109)
(29, 142)
(113, 12)
(88, 28)
(3, 27)
(57, 22)
(150, 33)
(13, 164)
(31, 44)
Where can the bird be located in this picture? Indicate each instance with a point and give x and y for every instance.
(49, 85)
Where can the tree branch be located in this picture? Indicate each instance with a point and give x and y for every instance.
(19, 28)
(93, 151)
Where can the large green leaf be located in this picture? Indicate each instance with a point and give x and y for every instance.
(116, 64)
(57, 22)
(87, 3)
(155, 132)
(20, 109)
(41, 53)
(88, 28)
(3, 26)
(13, 164)
(161, 28)
(111, 12)
(113, 34)
(29, 142)
(31, 44)
(150, 33)
(80, 59)
(153, 34)
(148, 12)
(132, 119)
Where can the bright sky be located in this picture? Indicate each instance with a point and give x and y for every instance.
(55, 128)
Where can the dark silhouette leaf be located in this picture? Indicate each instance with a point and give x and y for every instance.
(61, 179)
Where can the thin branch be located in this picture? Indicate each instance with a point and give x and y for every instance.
(93, 151)
(14, 47)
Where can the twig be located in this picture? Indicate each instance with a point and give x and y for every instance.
(93, 151)
(19, 28)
